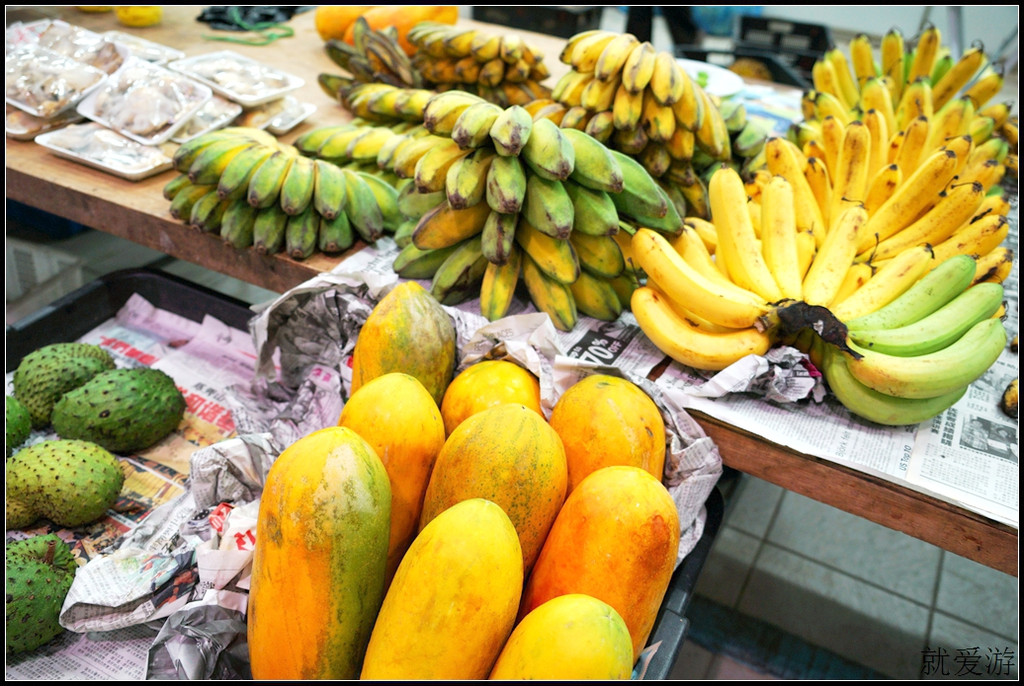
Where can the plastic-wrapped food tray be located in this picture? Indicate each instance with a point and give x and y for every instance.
(98, 147)
(148, 50)
(83, 45)
(22, 126)
(277, 116)
(238, 78)
(45, 83)
(145, 102)
(217, 113)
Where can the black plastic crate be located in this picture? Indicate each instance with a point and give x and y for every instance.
(75, 314)
(796, 44)
(563, 22)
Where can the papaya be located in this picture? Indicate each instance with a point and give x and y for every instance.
(571, 637)
(487, 383)
(407, 331)
(396, 415)
(331, 21)
(403, 18)
(319, 559)
(453, 601)
(605, 420)
(616, 538)
(509, 455)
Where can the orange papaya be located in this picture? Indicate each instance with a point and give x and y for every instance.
(403, 18)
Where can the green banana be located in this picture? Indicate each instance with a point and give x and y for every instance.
(505, 184)
(594, 165)
(207, 213)
(511, 130)
(466, 181)
(336, 234)
(948, 279)
(750, 140)
(548, 207)
(877, 407)
(236, 225)
(548, 152)
(596, 297)
(594, 212)
(551, 297)
(498, 236)
(301, 233)
(386, 196)
(210, 163)
(336, 145)
(298, 186)
(268, 230)
(310, 142)
(600, 256)
(265, 183)
(172, 187)
(641, 197)
(498, 287)
(939, 329)
(187, 152)
(413, 204)
(328, 189)
(403, 232)
(413, 263)
(181, 205)
(932, 374)
(473, 127)
(234, 179)
(460, 274)
(364, 213)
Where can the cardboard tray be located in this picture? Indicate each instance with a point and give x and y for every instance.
(72, 316)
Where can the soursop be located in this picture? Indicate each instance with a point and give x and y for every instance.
(40, 571)
(46, 374)
(19, 424)
(69, 482)
(123, 410)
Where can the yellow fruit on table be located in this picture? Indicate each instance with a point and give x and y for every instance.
(139, 15)
(332, 21)
(487, 383)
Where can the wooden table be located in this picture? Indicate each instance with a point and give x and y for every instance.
(138, 212)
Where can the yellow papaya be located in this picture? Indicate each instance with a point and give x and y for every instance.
(509, 455)
(487, 383)
(396, 415)
(407, 331)
(571, 637)
(616, 538)
(453, 601)
(319, 559)
(605, 420)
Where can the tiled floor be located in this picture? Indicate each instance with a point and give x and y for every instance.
(829, 582)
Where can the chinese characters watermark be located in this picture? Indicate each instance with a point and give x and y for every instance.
(965, 662)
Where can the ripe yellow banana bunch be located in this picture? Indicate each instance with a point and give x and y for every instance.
(254, 192)
(496, 197)
(501, 68)
(641, 102)
(898, 340)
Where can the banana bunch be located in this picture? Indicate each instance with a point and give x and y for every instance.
(501, 68)
(494, 197)
(252, 191)
(898, 336)
(375, 56)
(905, 81)
(641, 102)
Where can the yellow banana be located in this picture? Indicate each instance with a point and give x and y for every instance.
(949, 122)
(466, 179)
(825, 80)
(586, 53)
(845, 79)
(712, 134)
(569, 89)
(627, 108)
(459, 276)
(599, 255)
(976, 238)
(445, 226)
(856, 276)
(782, 161)
(686, 343)
(366, 148)
(726, 305)
(828, 104)
(443, 110)
(893, 54)
(778, 237)
(920, 190)
(431, 170)
(573, 118)
(639, 67)
(596, 297)
(862, 59)
(832, 262)
(498, 287)
(511, 130)
(409, 152)
(186, 198)
(473, 127)
(924, 54)
(916, 101)
(599, 94)
(890, 280)
(994, 266)
(985, 87)
(551, 297)
(850, 180)
(666, 84)
(882, 186)
(601, 125)
(498, 236)
(565, 56)
(832, 132)
(212, 160)
(879, 136)
(555, 257)
(694, 251)
(821, 185)
(947, 87)
(875, 95)
(612, 59)
(658, 120)
(912, 147)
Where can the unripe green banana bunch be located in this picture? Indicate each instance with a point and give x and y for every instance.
(501, 68)
(254, 192)
(495, 197)
(902, 81)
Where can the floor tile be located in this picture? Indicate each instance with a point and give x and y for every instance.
(889, 559)
(838, 612)
(725, 570)
(980, 595)
(957, 650)
(753, 505)
(692, 663)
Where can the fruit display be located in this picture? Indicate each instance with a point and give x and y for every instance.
(502, 68)
(39, 573)
(485, 384)
(255, 193)
(18, 424)
(46, 374)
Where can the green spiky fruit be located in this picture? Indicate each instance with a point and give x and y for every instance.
(123, 410)
(19, 424)
(39, 575)
(44, 375)
(69, 482)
